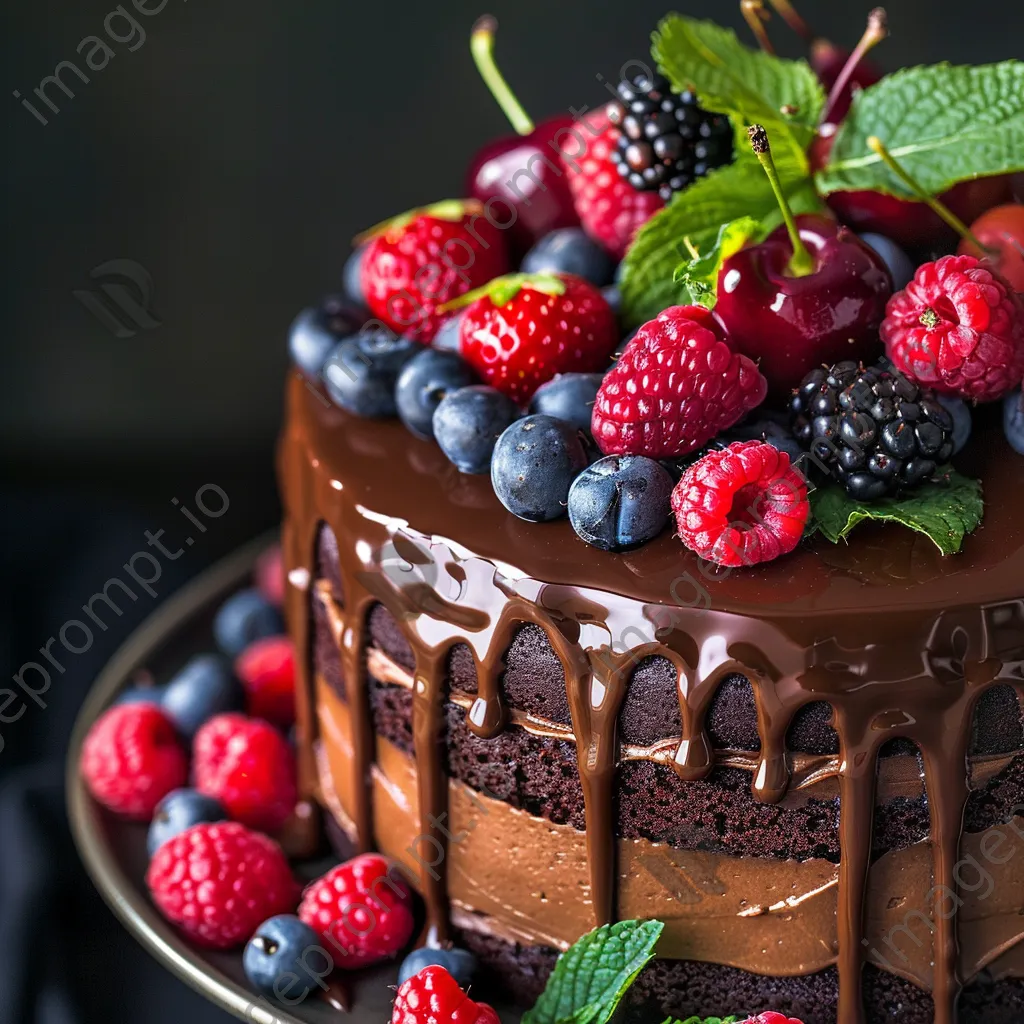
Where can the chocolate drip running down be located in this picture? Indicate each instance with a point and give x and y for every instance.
(900, 642)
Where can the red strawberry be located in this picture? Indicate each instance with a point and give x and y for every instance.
(523, 329)
(428, 257)
(610, 208)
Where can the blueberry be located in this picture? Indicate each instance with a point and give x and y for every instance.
(613, 297)
(772, 428)
(244, 617)
(535, 462)
(361, 372)
(1013, 420)
(898, 262)
(570, 251)
(351, 276)
(961, 413)
(178, 811)
(277, 952)
(569, 397)
(447, 338)
(316, 330)
(620, 502)
(141, 695)
(468, 423)
(459, 963)
(424, 381)
(205, 687)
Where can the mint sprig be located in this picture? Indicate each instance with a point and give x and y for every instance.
(592, 976)
(944, 511)
(942, 123)
(700, 274)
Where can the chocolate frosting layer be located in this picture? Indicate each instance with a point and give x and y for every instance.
(901, 642)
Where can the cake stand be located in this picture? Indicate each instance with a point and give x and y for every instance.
(114, 851)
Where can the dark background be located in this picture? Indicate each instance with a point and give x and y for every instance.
(233, 154)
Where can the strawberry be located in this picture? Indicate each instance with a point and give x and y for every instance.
(426, 258)
(609, 207)
(523, 329)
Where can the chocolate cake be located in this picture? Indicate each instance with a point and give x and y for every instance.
(811, 770)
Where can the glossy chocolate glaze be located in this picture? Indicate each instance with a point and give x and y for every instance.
(900, 641)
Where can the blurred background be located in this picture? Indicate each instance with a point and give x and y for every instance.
(225, 155)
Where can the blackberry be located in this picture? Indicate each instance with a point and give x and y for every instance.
(667, 140)
(877, 432)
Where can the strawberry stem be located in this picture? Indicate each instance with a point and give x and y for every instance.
(877, 147)
(481, 44)
(503, 290)
(787, 12)
(877, 30)
(448, 209)
(801, 263)
(757, 16)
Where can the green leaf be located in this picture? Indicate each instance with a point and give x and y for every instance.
(944, 511)
(943, 124)
(592, 976)
(700, 274)
(750, 86)
(503, 290)
(739, 190)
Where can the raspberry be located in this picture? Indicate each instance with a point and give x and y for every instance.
(609, 207)
(132, 758)
(433, 997)
(267, 671)
(362, 908)
(742, 505)
(959, 327)
(219, 882)
(248, 766)
(771, 1017)
(269, 571)
(676, 386)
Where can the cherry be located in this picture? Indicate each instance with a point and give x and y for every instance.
(811, 293)
(1001, 231)
(531, 161)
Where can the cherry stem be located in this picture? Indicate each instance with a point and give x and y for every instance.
(481, 44)
(877, 147)
(801, 263)
(756, 15)
(877, 30)
(787, 12)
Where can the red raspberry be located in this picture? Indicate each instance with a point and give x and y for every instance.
(132, 758)
(266, 669)
(609, 207)
(362, 908)
(433, 997)
(427, 258)
(771, 1017)
(218, 883)
(676, 386)
(743, 505)
(269, 575)
(528, 328)
(249, 767)
(959, 328)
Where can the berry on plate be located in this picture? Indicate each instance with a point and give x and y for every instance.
(274, 954)
(958, 327)
(248, 766)
(426, 258)
(534, 464)
(459, 963)
(742, 505)
(243, 618)
(317, 330)
(433, 997)
(217, 882)
(361, 909)
(676, 385)
(569, 397)
(205, 687)
(424, 381)
(267, 671)
(467, 424)
(896, 260)
(570, 251)
(770, 1017)
(132, 758)
(361, 372)
(620, 502)
(523, 329)
(178, 811)
(1013, 420)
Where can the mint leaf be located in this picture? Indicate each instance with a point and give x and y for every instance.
(750, 86)
(592, 976)
(700, 275)
(738, 190)
(943, 511)
(943, 124)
